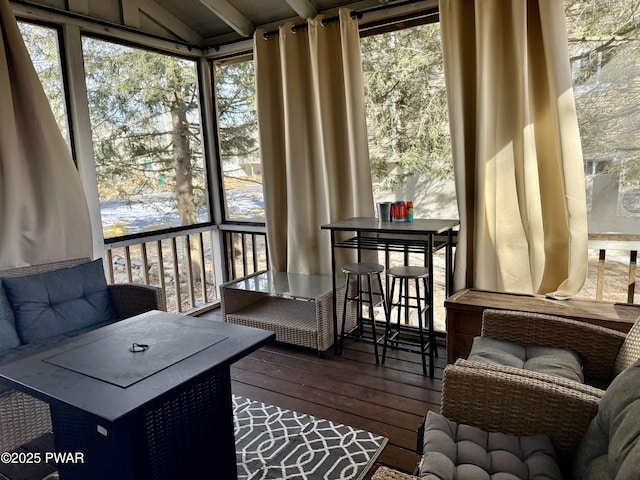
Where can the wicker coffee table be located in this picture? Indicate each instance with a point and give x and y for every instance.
(148, 397)
(298, 308)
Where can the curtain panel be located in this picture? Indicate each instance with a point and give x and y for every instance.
(313, 138)
(516, 147)
(43, 210)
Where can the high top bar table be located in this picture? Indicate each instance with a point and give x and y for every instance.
(423, 236)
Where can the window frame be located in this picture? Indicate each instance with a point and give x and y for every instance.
(207, 164)
(243, 56)
(64, 75)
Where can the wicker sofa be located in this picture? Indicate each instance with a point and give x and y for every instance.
(594, 437)
(22, 416)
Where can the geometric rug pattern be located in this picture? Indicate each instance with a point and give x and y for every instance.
(274, 443)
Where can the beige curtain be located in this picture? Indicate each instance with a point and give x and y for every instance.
(516, 147)
(313, 138)
(43, 210)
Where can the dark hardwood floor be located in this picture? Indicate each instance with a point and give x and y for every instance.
(389, 400)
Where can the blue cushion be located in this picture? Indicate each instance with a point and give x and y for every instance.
(8, 335)
(12, 354)
(49, 304)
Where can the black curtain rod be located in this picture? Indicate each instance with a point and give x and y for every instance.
(354, 13)
(298, 26)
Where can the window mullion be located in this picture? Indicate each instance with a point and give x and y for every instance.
(81, 130)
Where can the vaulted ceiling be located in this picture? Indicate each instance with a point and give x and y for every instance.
(204, 23)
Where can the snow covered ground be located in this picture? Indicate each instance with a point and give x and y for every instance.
(159, 210)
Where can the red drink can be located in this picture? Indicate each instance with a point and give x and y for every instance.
(399, 212)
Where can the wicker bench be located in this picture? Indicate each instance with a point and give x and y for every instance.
(23, 417)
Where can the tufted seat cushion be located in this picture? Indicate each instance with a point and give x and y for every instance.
(555, 361)
(462, 452)
(50, 304)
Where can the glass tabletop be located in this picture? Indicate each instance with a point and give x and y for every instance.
(287, 285)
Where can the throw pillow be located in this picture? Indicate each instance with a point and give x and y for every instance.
(611, 446)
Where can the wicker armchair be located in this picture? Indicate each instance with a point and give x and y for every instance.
(605, 352)
(24, 417)
(497, 400)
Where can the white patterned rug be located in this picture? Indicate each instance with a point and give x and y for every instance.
(274, 443)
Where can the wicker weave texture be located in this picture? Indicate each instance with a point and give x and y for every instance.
(185, 433)
(502, 402)
(630, 350)
(291, 324)
(297, 322)
(45, 267)
(132, 299)
(597, 345)
(386, 473)
(23, 418)
(528, 374)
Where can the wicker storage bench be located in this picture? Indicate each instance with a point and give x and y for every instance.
(298, 308)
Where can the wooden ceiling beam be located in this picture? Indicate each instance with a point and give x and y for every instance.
(130, 14)
(304, 8)
(79, 6)
(167, 20)
(231, 16)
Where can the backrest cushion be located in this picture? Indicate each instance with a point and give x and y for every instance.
(611, 446)
(555, 361)
(49, 304)
(630, 350)
(8, 335)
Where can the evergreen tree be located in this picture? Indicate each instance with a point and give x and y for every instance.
(406, 103)
(146, 124)
(604, 49)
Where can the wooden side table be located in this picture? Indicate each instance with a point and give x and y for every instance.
(465, 307)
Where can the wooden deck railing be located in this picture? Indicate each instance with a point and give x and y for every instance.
(245, 250)
(612, 274)
(188, 265)
(198, 260)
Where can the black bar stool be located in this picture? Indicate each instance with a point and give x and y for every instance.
(404, 275)
(363, 296)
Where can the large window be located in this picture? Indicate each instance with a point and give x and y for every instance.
(604, 48)
(408, 129)
(238, 140)
(43, 47)
(407, 120)
(147, 138)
